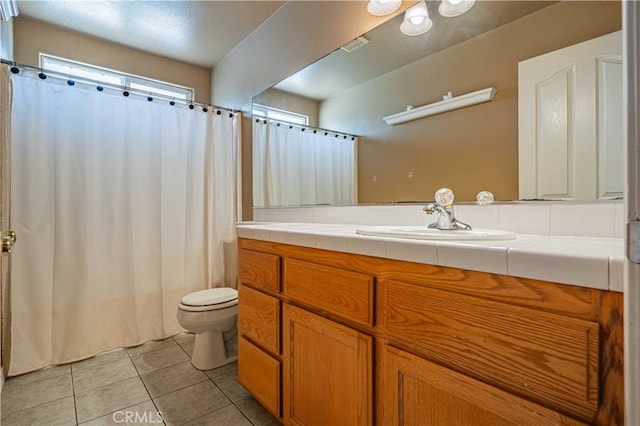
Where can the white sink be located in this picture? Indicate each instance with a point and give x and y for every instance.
(424, 233)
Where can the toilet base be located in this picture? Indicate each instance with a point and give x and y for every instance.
(209, 351)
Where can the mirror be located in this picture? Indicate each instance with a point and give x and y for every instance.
(468, 150)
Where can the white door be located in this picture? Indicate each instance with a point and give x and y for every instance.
(570, 136)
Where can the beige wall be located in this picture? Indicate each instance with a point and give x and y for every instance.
(247, 168)
(275, 98)
(33, 37)
(298, 34)
(471, 149)
(6, 52)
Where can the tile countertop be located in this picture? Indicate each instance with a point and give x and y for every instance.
(582, 261)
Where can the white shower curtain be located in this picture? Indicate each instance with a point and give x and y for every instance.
(294, 167)
(121, 207)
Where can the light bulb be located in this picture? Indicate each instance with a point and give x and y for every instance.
(416, 20)
(383, 7)
(451, 8)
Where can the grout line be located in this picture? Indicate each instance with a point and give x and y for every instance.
(242, 412)
(108, 384)
(36, 406)
(152, 350)
(207, 378)
(175, 390)
(13, 378)
(145, 385)
(184, 350)
(124, 408)
(209, 412)
(73, 392)
(71, 364)
(232, 401)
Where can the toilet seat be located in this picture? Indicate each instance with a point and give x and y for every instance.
(211, 299)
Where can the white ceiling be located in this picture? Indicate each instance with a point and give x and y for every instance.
(197, 32)
(203, 32)
(389, 49)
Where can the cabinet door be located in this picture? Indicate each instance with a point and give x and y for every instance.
(539, 355)
(570, 122)
(413, 391)
(327, 377)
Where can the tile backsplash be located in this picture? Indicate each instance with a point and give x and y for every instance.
(598, 219)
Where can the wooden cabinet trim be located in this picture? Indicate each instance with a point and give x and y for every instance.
(610, 317)
(574, 301)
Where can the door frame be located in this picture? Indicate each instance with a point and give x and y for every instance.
(631, 49)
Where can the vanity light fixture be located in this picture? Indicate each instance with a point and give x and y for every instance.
(383, 7)
(451, 8)
(416, 20)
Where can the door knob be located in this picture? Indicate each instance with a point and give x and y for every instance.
(8, 240)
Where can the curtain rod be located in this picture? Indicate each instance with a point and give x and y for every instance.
(305, 127)
(43, 73)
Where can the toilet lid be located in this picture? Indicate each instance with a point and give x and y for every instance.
(210, 296)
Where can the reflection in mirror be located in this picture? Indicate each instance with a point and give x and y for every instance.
(469, 149)
(295, 165)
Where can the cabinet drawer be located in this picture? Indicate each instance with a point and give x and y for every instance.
(259, 269)
(259, 373)
(548, 357)
(259, 318)
(344, 293)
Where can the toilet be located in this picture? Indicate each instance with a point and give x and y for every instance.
(212, 315)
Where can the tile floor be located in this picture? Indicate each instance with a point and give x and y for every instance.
(131, 386)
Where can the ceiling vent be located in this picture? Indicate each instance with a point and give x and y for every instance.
(355, 44)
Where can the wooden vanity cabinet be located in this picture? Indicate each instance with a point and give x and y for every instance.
(445, 346)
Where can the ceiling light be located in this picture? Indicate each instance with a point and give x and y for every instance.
(8, 9)
(416, 20)
(451, 8)
(383, 7)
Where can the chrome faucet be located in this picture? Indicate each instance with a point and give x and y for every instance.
(443, 207)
